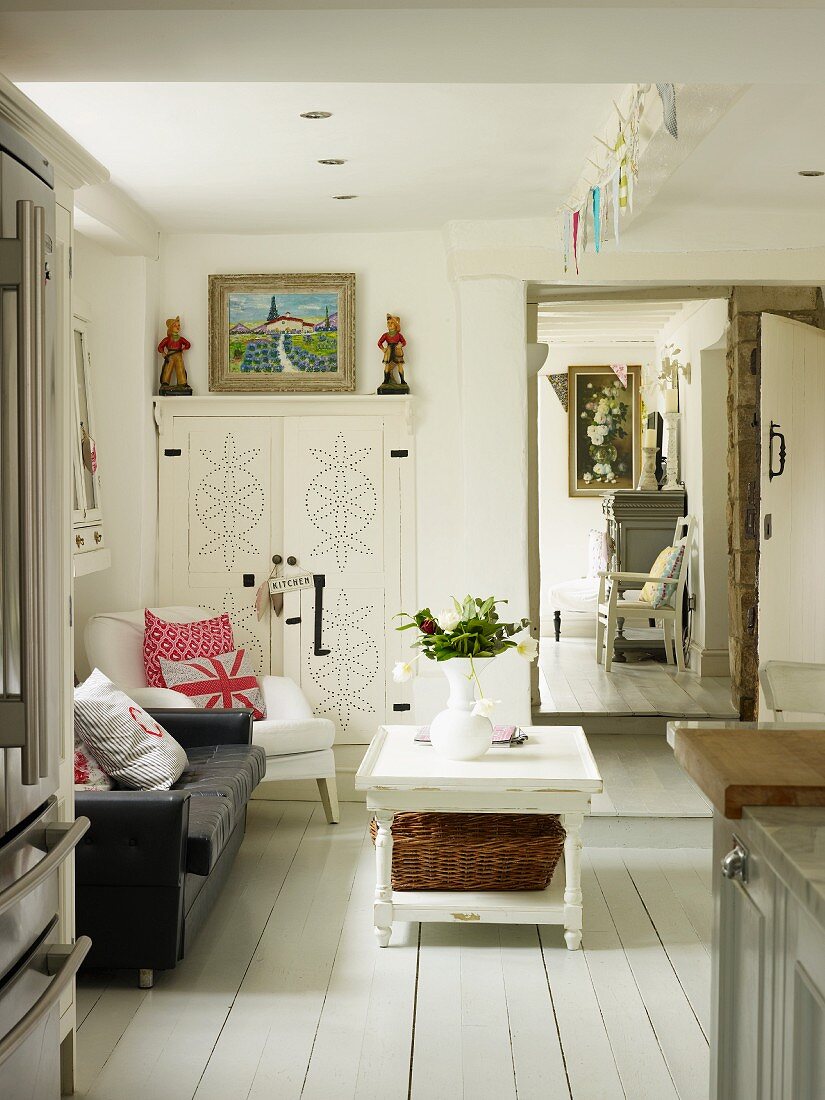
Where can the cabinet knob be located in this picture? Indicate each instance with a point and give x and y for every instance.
(79, 541)
(735, 863)
(292, 560)
(276, 559)
(98, 537)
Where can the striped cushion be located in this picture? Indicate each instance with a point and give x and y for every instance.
(131, 747)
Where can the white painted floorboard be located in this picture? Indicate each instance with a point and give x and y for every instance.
(285, 993)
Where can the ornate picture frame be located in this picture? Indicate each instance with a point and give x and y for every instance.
(282, 333)
(605, 430)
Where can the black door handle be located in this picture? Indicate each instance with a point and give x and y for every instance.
(319, 580)
(776, 434)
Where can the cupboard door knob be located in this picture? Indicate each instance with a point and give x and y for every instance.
(98, 537)
(276, 559)
(735, 863)
(79, 541)
(292, 560)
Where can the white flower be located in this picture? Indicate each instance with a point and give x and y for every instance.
(528, 648)
(485, 707)
(588, 477)
(448, 619)
(402, 671)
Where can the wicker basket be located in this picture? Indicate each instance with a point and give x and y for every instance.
(435, 851)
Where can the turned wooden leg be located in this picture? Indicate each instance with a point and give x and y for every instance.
(328, 790)
(382, 907)
(557, 624)
(572, 880)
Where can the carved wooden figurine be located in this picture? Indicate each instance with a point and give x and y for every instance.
(392, 343)
(172, 347)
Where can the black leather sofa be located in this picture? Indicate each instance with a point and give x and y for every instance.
(153, 862)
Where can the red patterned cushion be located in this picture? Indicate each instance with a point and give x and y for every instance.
(88, 774)
(226, 680)
(181, 641)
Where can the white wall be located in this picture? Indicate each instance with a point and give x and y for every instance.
(564, 521)
(116, 293)
(701, 332)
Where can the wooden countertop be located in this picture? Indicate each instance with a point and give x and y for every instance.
(753, 767)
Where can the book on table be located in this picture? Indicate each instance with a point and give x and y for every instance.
(502, 735)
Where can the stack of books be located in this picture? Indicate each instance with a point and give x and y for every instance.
(502, 735)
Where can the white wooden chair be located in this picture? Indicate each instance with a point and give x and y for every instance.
(611, 607)
(793, 687)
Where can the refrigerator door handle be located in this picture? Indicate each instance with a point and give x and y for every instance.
(26, 1024)
(61, 838)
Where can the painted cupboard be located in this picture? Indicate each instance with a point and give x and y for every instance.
(319, 487)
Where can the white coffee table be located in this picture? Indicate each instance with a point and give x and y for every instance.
(553, 773)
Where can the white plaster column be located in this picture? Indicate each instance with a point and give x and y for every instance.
(491, 317)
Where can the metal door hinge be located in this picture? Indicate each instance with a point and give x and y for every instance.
(172, 452)
(750, 523)
(401, 706)
(71, 262)
(399, 454)
(751, 620)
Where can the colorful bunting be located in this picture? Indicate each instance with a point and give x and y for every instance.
(667, 93)
(620, 370)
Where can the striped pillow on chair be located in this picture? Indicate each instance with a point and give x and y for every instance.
(130, 746)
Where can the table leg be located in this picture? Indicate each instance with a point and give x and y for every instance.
(572, 880)
(382, 907)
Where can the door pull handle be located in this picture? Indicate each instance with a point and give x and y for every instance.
(319, 580)
(294, 621)
(783, 451)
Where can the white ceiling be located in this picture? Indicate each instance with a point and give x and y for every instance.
(237, 158)
(602, 324)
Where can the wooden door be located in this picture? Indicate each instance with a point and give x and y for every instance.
(791, 591)
(342, 521)
(227, 522)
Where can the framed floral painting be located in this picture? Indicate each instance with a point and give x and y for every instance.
(282, 333)
(605, 430)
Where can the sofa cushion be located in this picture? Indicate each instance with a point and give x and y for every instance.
(282, 737)
(180, 641)
(220, 780)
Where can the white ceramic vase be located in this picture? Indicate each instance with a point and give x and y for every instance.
(456, 733)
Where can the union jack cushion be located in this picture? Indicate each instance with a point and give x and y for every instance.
(181, 641)
(225, 681)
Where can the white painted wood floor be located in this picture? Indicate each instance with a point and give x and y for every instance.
(285, 994)
(572, 683)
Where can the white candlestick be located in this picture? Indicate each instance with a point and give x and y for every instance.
(647, 479)
(671, 401)
(672, 479)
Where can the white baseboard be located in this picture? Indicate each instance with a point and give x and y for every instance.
(709, 662)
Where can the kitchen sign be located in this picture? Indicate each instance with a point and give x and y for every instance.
(290, 584)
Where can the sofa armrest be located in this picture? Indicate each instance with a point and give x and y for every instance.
(193, 729)
(136, 838)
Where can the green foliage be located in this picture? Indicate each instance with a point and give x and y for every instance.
(478, 633)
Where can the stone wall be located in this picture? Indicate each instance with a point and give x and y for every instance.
(745, 306)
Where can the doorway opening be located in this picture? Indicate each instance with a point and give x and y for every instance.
(600, 388)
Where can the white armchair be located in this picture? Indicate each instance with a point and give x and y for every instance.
(611, 606)
(297, 744)
(580, 596)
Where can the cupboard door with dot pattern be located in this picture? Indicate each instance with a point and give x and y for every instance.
(226, 518)
(342, 522)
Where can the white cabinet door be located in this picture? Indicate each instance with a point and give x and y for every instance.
(342, 522)
(225, 522)
(804, 1035)
(742, 1027)
(791, 595)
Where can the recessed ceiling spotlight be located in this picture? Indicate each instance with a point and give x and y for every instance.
(316, 114)
(331, 160)
(341, 197)
(811, 172)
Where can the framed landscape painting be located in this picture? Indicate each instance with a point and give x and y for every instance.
(282, 333)
(605, 430)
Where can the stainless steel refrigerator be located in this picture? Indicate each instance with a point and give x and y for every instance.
(34, 967)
